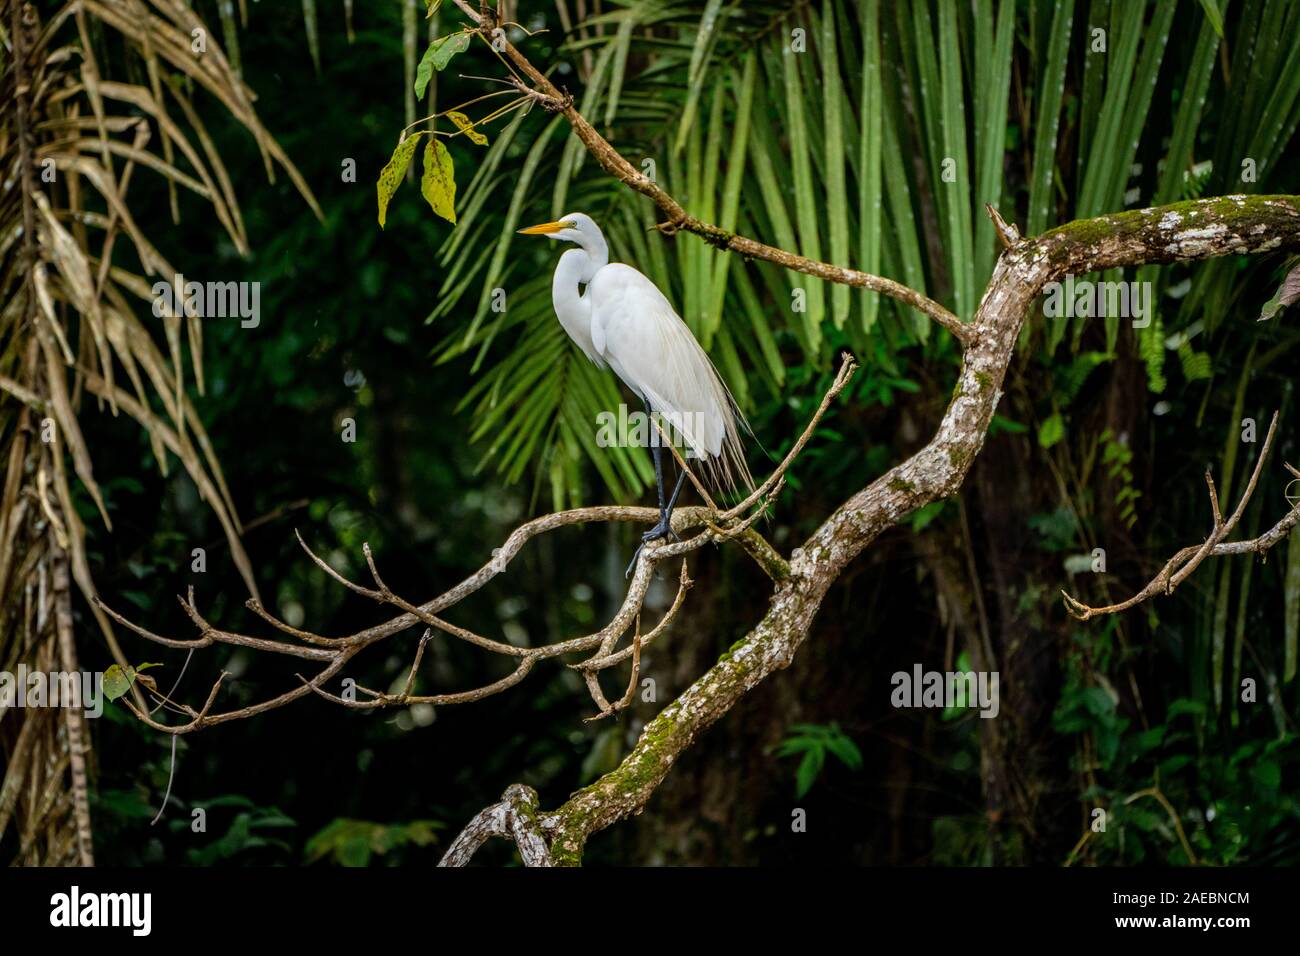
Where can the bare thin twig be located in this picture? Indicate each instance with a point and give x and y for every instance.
(711, 527)
(1178, 568)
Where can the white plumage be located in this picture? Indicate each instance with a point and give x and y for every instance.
(622, 320)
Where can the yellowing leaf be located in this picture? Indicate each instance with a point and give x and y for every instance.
(391, 175)
(118, 680)
(438, 185)
(464, 123)
(116, 683)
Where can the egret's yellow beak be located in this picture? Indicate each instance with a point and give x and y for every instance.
(546, 228)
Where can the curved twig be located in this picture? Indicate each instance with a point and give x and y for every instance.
(1178, 568)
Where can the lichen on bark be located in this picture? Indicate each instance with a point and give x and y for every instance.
(1192, 230)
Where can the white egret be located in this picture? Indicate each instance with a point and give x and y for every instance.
(622, 320)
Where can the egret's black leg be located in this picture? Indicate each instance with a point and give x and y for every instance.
(664, 528)
(657, 454)
(672, 503)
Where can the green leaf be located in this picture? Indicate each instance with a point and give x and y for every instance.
(1214, 15)
(993, 58)
(736, 159)
(705, 36)
(809, 768)
(1051, 90)
(352, 842)
(1179, 160)
(1196, 365)
(1098, 702)
(118, 680)
(1000, 424)
(808, 212)
(1051, 431)
(424, 72)
(869, 159)
(795, 745)
(437, 56)
(438, 184)
(833, 162)
(1267, 775)
(622, 44)
(1174, 764)
(955, 195)
(844, 748)
(923, 516)
(447, 47)
(391, 175)
(1106, 172)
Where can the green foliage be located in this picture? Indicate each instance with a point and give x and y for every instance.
(843, 138)
(1005, 426)
(814, 742)
(1051, 430)
(960, 706)
(354, 842)
(1057, 529)
(437, 56)
(1117, 458)
(118, 679)
(709, 93)
(1214, 16)
(922, 517)
(1163, 783)
(1070, 376)
(246, 833)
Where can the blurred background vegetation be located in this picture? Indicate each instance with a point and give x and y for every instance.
(469, 421)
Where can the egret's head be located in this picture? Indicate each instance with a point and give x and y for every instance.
(575, 227)
(578, 228)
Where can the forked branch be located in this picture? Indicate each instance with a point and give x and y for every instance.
(1187, 231)
(1178, 568)
(709, 526)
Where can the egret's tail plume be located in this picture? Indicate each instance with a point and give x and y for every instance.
(726, 472)
(675, 375)
(720, 447)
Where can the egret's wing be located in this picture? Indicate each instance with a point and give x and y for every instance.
(653, 351)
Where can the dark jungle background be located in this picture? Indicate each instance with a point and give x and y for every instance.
(469, 421)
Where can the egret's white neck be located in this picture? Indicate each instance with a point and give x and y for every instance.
(576, 266)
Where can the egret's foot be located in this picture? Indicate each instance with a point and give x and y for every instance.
(663, 529)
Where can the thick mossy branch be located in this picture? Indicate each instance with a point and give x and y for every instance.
(1196, 229)
(1183, 232)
